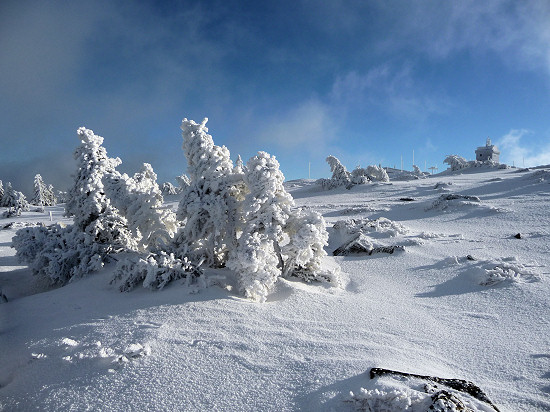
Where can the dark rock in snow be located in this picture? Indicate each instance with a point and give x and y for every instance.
(518, 236)
(470, 257)
(407, 199)
(444, 396)
(360, 244)
(453, 199)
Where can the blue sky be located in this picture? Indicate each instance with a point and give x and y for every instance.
(366, 81)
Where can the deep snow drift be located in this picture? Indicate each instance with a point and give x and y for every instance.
(466, 299)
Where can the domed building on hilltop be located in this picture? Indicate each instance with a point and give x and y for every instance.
(487, 152)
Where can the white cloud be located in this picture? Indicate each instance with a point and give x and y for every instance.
(516, 150)
(392, 89)
(517, 31)
(308, 127)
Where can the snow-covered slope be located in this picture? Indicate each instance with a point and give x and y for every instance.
(467, 299)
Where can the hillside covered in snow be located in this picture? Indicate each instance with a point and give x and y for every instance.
(444, 276)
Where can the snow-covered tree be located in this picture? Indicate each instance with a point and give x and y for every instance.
(87, 203)
(1, 192)
(183, 182)
(61, 196)
(14, 199)
(168, 188)
(239, 165)
(377, 173)
(43, 195)
(61, 253)
(305, 250)
(58, 254)
(257, 259)
(50, 196)
(456, 162)
(340, 176)
(209, 203)
(139, 200)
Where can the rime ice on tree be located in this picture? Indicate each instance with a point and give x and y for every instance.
(43, 195)
(140, 201)
(209, 203)
(257, 260)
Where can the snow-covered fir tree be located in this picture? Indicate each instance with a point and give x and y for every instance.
(50, 196)
(61, 196)
(183, 182)
(209, 203)
(139, 200)
(258, 260)
(340, 175)
(87, 203)
(43, 195)
(62, 253)
(13, 199)
(168, 188)
(1, 192)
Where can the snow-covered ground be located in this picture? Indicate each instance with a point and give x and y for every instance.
(466, 299)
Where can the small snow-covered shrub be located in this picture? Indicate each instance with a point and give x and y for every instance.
(442, 185)
(456, 162)
(508, 272)
(12, 212)
(377, 173)
(154, 271)
(58, 253)
(305, 250)
(431, 398)
(382, 226)
(394, 400)
(359, 176)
